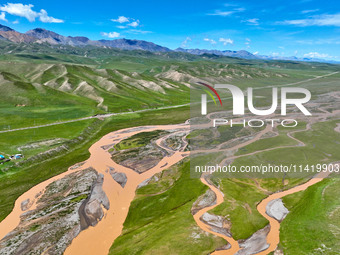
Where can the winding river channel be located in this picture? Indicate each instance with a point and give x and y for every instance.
(98, 240)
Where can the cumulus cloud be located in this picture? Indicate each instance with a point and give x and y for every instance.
(3, 16)
(134, 23)
(21, 10)
(121, 19)
(226, 41)
(255, 53)
(25, 11)
(111, 34)
(210, 40)
(47, 19)
(317, 20)
(130, 22)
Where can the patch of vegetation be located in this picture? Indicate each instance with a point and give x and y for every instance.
(209, 138)
(79, 198)
(34, 227)
(146, 229)
(139, 140)
(313, 224)
(241, 199)
(18, 180)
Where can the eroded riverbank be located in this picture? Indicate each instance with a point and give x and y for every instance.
(119, 197)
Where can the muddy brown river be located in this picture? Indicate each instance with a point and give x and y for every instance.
(98, 240)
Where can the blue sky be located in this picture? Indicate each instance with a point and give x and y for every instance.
(302, 28)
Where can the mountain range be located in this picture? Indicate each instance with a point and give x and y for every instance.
(40, 36)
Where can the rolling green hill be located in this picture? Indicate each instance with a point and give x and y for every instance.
(41, 84)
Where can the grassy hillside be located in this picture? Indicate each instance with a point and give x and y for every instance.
(43, 84)
(312, 226)
(160, 221)
(19, 179)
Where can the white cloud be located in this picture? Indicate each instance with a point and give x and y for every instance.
(185, 42)
(46, 19)
(309, 11)
(25, 10)
(131, 22)
(225, 13)
(226, 41)
(3, 16)
(221, 13)
(210, 40)
(318, 20)
(255, 53)
(254, 21)
(111, 34)
(316, 55)
(248, 40)
(21, 10)
(134, 23)
(138, 31)
(121, 19)
(15, 22)
(239, 9)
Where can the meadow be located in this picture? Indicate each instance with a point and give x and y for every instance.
(63, 84)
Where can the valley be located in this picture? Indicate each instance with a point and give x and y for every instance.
(108, 144)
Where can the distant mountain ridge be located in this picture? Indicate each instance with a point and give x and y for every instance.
(5, 29)
(40, 35)
(127, 44)
(227, 53)
(53, 38)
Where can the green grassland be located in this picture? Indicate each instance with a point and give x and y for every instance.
(10, 142)
(239, 206)
(242, 194)
(321, 146)
(312, 226)
(18, 179)
(138, 140)
(42, 84)
(162, 223)
(272, 142)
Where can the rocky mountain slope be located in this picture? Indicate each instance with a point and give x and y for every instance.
(229, 53)
(40, 35)
(43, 36)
